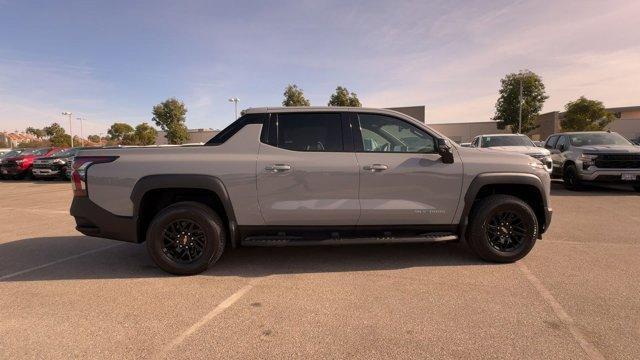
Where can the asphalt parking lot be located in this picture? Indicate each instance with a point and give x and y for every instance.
(577, 295)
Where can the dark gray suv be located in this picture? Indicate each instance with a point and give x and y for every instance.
(594, 156)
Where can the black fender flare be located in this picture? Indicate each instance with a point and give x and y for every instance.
(497, 179)
(185, 181)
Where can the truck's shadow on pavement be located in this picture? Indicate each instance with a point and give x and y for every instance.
(100, 259)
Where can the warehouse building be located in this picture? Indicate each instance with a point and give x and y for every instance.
(626, 123)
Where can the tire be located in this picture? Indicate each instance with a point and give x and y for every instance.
(570, 178)
(636, 188)
(518, 242)
(28, 175)
(175, 256)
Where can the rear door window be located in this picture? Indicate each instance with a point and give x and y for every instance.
(310, 132)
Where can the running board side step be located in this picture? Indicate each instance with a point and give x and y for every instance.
(298, 241)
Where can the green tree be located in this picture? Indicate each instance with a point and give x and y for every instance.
(60, 140)
(145, 134)
(94, 138)
(170, 116)
(294, 96)
(117, 131)
(585, 115)
(39, 133)
(129, 139)
(533, 97)
(342, 97)
(32, 144)
(53, 130)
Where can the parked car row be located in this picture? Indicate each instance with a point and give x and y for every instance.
(575, 157)
(38, 163)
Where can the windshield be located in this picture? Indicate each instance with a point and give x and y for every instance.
(587, 139)
(490, 141)
(14, 153)
(65, 153)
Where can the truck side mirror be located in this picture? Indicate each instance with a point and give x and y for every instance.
(444, 150)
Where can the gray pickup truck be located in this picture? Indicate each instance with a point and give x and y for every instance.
(311, 176)
(594, 157)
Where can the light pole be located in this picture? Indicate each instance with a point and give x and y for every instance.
(70, 128)
(81, 132)
(520, 106)
(235, 102)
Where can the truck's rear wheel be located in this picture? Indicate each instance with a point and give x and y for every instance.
(502, 228)
(185, 238)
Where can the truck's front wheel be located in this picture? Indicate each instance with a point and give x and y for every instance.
(185, 238)
(502, 228)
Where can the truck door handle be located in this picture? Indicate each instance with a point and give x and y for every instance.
(376, 167)
(274, 168)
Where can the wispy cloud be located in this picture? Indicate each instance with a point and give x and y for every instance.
(450, 56)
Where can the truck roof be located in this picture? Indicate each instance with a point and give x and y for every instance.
(297, 109)
(584, 132)
(285, 109)
(494, 135)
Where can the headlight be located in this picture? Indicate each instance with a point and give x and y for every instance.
(536, 164)
(587, 160)
(19, 161)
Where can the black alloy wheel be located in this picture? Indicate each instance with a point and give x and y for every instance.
(186, 237)
(505, 231)
(502, 228)
(183, 241)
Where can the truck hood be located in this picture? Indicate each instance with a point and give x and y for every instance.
(622, 149)
(21, 157)
(522, 149)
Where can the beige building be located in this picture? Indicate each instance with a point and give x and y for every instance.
(416, 112)
(195, 136)
(626, 123)
(465, 132)
(14, 139)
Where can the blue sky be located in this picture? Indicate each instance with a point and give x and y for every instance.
(110, 61)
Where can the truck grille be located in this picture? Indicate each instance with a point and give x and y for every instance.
(41, 166)
(618, 161)
(10, 164)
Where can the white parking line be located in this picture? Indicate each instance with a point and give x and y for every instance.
(591, 351)
(45, 211)
(8, 276)
(212, 314)
(587, 243)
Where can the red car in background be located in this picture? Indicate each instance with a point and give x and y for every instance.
(19, 167)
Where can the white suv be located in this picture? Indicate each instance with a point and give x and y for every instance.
(517, 143)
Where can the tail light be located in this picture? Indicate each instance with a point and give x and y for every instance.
(79, 173)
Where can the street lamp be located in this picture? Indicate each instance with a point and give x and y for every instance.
(235, 102)
(81, 132)
(67, 113)
(520, 104)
